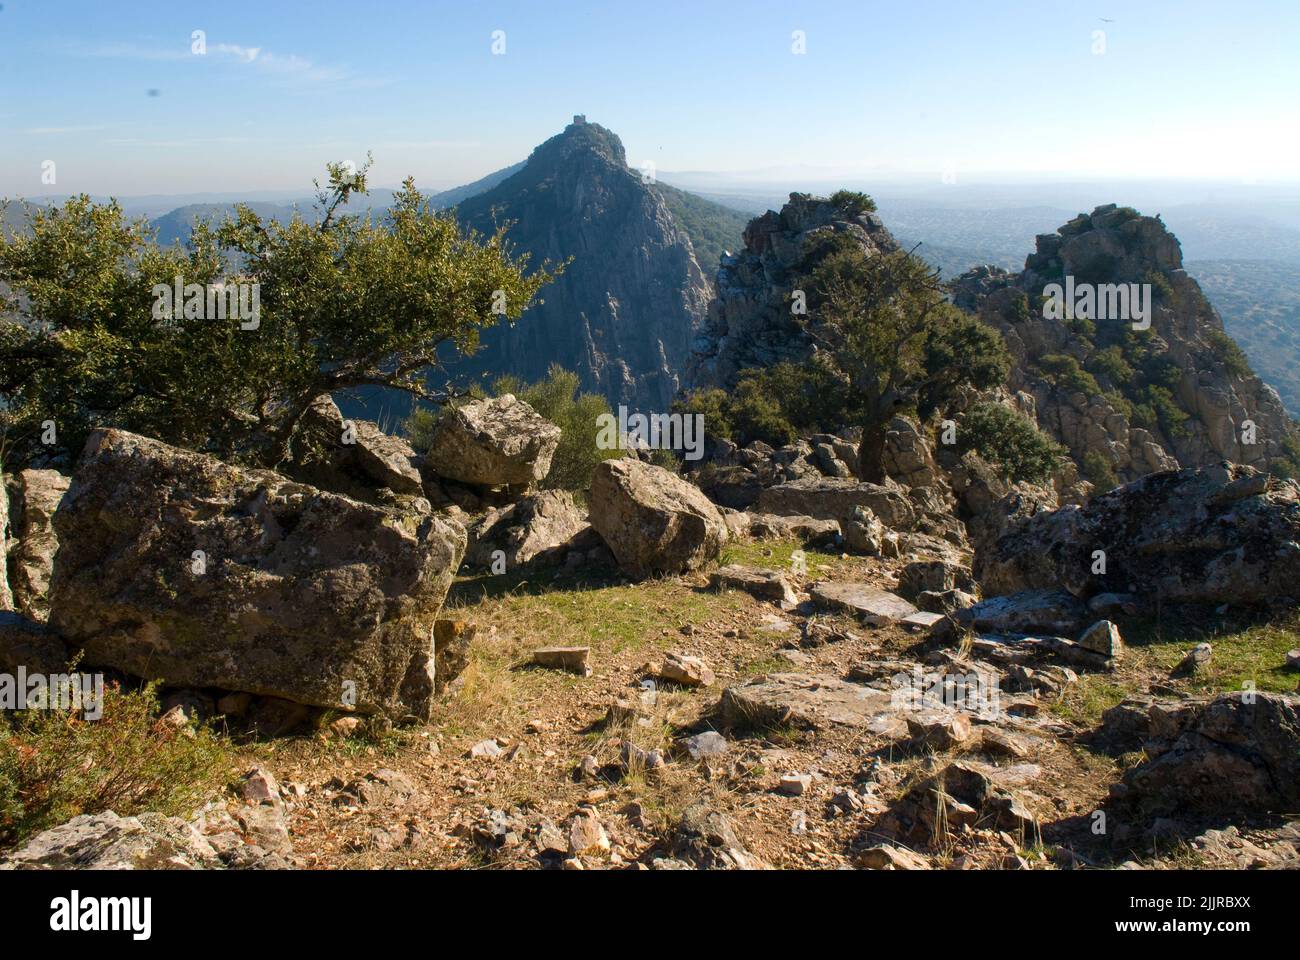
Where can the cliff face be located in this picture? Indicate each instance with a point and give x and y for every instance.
(1176, 394)
(750, 323)
(625, 311)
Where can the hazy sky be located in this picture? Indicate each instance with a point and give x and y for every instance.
(1184, 88)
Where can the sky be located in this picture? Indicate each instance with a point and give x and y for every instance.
(123, 99)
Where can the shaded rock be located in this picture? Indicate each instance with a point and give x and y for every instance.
(495, 442)
(939, 729)
(936, 576)
(30, 645)
(1102, 638)
(293, 593)
(1222, 534)
(540, 527)
(1233, 754)
(762, 584)
(1051, 611)
(352, 457)
(710, 743)
(6, 595)
(1197, 659)
(811, 530)
(652, 520)
(864, 533)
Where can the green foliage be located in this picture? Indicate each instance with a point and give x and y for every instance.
(1068, 374)
(1109, 362)
(891, 332)
(853, 202)
(344, 302)
(55, 765)
(774, 404)
(713, 228)
(1010, 442)
(1287, 465)
(1098, 469)
(1227, 352)
(558, 399)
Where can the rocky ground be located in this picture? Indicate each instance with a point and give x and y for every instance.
(525, 769)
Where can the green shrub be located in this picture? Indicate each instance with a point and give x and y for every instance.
(853, 202)
(1010, 442)
(1109, 362)
(1068, 374)
(55, 765)
(1097, 468)
(1226, 351)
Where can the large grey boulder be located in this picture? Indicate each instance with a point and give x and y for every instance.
(176, 566)
(538, 527)
(31, 561)
(492, 443)
(833, 498)
(1223, 534)
(1233, 754)
(652, 520)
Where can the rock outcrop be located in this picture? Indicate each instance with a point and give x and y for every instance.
(624, 312)
(1178, 394)
(751, 323)
(1223, 534)
(106, 841)
(6, 595)
(652, 520)
(352, 457)
(176, 566)
(491, 443)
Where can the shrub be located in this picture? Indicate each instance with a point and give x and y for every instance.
(1228, 353)
(55, 765)
(1010, 442)
(853, 202)
(1068, 375)
(1097, 468)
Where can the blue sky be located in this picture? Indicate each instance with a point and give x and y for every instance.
(1185, 89)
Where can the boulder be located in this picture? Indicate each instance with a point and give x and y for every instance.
(832, 498)
(1238, 753)
(30, 645)
(491, 443)
(810, 530)
(1051, 611)
(812, 701)
(176, 566)
(707, 840)
(1223, 534)
(353, 457)
(452, 640)
(31, 561)
(762, 584)
(869, 604)
(652, 520)
(540, 527)
(105, 841)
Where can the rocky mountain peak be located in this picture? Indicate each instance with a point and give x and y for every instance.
(1125, 360)
(625, 310)
(750, 324)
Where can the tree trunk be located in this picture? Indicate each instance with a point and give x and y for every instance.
(871, 452)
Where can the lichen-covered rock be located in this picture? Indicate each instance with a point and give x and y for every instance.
(492, 443)
(1223, 534)
(652, 520)
(31, 561)
(29, 645)
(1237, 753)
(538, 527)
(176, 566)
(105, 841)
